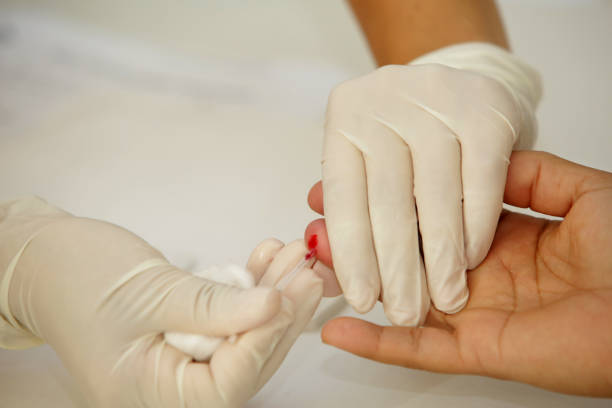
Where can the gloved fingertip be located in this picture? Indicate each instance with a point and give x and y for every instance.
(453, 304)
(407, 318)
(262, 256)
(475, 260)
(475, 254)
(460, 304)
(478, 237)
(361, 301)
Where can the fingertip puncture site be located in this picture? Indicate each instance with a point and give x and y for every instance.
(312, 246)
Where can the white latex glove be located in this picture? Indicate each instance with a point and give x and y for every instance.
(102, 298)
(198, 346)
(201, 347)
(431, 142)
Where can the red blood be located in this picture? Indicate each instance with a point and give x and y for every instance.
(313, 241)
(310, 254)
(312, 245)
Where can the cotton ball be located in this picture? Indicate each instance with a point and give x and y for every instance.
(201, 347)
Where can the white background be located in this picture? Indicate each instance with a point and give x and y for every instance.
(198, 126)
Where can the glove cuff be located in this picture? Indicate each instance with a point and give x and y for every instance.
(20, 222)
(520, 79)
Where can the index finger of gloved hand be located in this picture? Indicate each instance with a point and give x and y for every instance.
(437, 179)
(284, 261)
(236, 367)
(315, 198)
(484, 164)
(174, 300)
(305, 292)
(348, 219)
(262, 257)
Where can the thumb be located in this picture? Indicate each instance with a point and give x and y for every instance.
(546, 183)
(181, 302)
(423, 348)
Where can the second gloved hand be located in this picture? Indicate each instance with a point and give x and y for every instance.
(103, 299)
(422, 149)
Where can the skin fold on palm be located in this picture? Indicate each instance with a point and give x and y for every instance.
(540, 303)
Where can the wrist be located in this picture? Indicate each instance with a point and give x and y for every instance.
(75, 261)
(521, 80)
(21, 221)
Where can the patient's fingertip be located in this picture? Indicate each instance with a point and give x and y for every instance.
(315, 198)
(318, 228)
(336, 330)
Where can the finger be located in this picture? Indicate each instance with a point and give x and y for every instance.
(262, 257)
(549, 184)
(394, 226)
(169, 377)
(315, 198)
(331, 286)
(484, 164)
(179, 302)
(305, 291)
(318, 228)
(438, 196)
(424, 348)
(284, 261)
(347, 218)
(236, 367)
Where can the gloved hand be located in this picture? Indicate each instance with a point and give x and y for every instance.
(198, 346)
(102, 298)
(539, 311)
(428, 142)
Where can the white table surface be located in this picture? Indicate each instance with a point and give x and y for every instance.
(204, 151)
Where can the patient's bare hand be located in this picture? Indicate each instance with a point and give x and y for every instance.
(540, 308)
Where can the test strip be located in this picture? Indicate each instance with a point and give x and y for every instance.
(306, 262)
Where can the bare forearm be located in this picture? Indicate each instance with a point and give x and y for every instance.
(400, 30)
